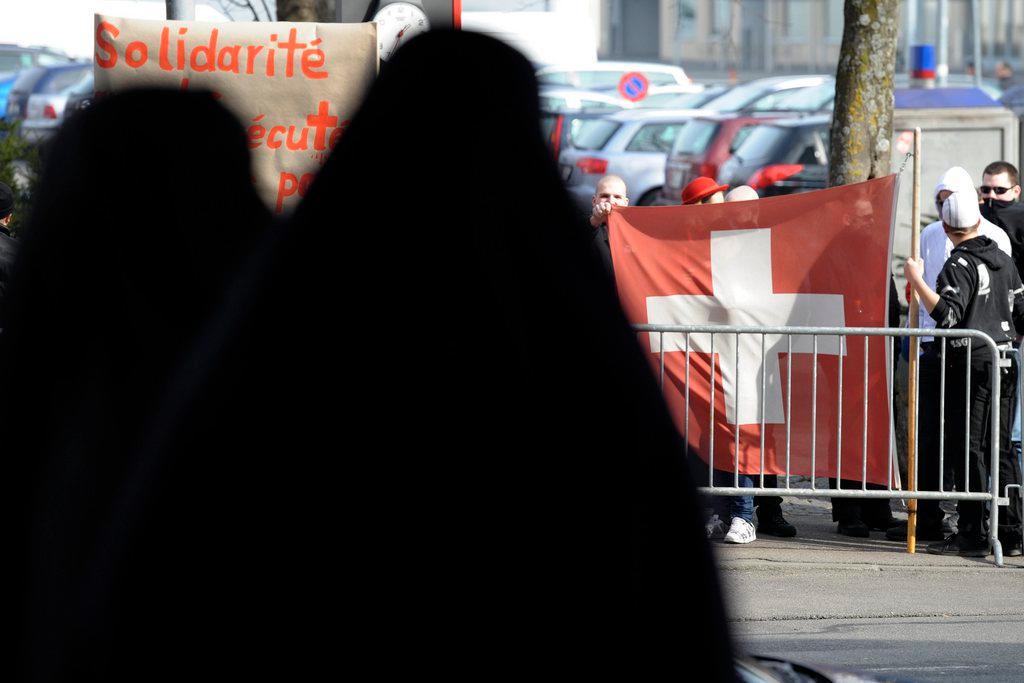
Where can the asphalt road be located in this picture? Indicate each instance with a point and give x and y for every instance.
(866, 604)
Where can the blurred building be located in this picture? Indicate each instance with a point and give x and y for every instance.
(770, 36)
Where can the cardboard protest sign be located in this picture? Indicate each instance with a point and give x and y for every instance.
(294, 86)
(819, 259)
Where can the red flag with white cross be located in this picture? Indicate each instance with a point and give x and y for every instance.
(820, 259)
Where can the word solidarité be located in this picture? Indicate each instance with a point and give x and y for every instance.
(208, 57)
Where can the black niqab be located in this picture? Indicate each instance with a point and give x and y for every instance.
(421, 438)
(144, 211)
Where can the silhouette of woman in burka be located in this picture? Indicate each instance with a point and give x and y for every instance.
(420, 437)
(143, 212)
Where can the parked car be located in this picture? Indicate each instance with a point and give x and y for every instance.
(814, 99)
(630, 144)
(690, 96)
(606, 75)
(782, 157)
(80, 96)
(38, 97)
(749, 96)
(697, 100)
(558, 128)
(15, 58)
(573, 99)
(702, 146)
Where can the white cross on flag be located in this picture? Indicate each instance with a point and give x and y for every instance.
(819, 259)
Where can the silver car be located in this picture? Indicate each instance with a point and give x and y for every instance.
(632, 144)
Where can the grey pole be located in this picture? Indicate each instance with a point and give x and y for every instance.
(942, 68)
(976, 21)
(911, 33)
(181, 10)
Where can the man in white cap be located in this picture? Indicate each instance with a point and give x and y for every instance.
(978, 289)
(935, 250)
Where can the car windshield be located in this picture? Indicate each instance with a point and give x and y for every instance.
(673, 100)
(761, 142)
(83, 87)
(12, 61)
(815, 98)
(61, 81)
(694, 137)
(737, 98)
(592, 133)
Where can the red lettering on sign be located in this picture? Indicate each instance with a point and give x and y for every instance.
(256, 133)
(181, 49)
(231, 51)
(275, 132)
(165, 64)
(290, 46)
(209, 51)
(251, 52)
(301, 143)
(110, 59)
(321, 121)
(336, 135)
(139, 49)
(286, 187)
(314, 59)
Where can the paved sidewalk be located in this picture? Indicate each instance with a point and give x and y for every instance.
(818, 543)
(865, 604)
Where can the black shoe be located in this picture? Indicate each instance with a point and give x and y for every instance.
(1012, 545)
(964, 546)
(855, 528)
(925, 532)
(881, 524)
(950, 545)
(974, 547)
(773, 523)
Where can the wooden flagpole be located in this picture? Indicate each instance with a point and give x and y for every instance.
(915, 345)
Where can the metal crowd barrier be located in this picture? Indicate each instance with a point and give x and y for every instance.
(983, 344)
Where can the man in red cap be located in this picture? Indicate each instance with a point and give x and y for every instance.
(704, 190)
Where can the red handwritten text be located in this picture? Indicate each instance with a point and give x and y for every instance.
(211, 56)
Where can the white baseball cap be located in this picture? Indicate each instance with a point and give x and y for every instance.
(960, 210)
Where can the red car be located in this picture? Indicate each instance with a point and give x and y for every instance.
(701, 146)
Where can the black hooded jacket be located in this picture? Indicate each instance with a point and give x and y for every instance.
(1010, 217)
(980, 289)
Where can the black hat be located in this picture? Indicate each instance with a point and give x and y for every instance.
(6, 201)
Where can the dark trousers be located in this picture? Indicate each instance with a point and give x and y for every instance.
(766, 505)
(928, 429)
(873, 511)
(977, 393)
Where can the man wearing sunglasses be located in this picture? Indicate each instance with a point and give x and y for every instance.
(1000, 195)
(1000, 192)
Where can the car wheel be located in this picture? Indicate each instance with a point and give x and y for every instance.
(649, 197)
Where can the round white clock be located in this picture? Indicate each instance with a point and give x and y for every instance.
(396, 24)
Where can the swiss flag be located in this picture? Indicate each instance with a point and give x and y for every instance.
(816, 259)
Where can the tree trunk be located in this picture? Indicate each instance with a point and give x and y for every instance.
(303, 10)
(861, 133)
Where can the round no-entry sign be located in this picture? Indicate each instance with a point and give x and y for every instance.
(633, 86)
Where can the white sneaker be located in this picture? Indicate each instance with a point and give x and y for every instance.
(741, 531)
(714, 528)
